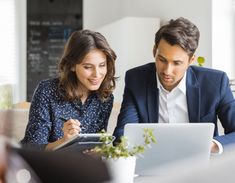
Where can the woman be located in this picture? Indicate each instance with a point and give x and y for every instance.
(80, 99)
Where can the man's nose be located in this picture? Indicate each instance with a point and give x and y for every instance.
(168, 69)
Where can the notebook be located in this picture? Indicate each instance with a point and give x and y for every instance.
(175, 143)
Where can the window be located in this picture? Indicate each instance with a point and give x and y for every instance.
(223, 36)
(8, 72)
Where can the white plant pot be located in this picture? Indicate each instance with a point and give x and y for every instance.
(121, 169)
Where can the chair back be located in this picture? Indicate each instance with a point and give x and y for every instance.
(16, 120)
(22, 105)
(113, 117)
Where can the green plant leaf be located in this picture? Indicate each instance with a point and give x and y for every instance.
(107, 150)
(200, 60)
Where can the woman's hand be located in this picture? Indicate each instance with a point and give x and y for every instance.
(71, 128)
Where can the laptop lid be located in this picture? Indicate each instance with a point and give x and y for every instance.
(175, 142)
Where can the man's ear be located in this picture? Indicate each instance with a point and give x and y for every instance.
(154, 50)
(192, 59)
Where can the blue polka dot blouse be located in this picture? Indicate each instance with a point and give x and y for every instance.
(48, 106)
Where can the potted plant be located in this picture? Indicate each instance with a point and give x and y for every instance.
(121, 158)
(200, 61)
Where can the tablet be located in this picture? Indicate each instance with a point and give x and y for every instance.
(82, 142)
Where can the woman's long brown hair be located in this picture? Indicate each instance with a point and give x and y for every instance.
(77, 47)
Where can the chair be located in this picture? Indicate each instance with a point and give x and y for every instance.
(113, 117)
(18, 119)
(22, 105)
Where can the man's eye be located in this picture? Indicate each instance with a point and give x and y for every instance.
(162, 60)
(177, 63)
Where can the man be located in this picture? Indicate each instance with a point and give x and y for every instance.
(172, 91)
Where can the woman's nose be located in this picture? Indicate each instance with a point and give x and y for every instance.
(96, 72)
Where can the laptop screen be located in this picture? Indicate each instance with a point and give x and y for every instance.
(175, 142)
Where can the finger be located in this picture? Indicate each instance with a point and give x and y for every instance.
(73, 132)
(72, 126)
(68, 136)
(78, 122)
(73, 121)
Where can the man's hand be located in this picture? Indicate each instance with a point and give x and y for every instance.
(214, 148)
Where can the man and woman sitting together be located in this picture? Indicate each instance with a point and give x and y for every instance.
(168, 90)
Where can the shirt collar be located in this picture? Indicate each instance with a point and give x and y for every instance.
(181, 86)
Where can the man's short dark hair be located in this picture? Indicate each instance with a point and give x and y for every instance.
(180, 32)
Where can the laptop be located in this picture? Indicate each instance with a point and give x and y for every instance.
(59, 167)
(179, 144)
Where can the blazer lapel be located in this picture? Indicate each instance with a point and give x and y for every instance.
(193, 96)
(152, 97)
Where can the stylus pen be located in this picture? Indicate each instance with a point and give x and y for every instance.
(64, 120)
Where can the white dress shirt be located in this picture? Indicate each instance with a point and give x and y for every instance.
(173, 105)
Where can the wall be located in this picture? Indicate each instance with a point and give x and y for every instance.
(132, 40)
(223, 44)
(21, 55)
(102, 12)
(106, 12)
(199, 12)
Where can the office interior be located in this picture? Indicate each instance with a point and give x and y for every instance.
(215, 19)
(117, 20)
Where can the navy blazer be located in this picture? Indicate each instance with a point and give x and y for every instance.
(208, 93)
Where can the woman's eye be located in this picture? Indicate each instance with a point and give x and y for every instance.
(87, 67)
(103, 65)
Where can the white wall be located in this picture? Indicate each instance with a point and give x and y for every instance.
(223, 27)
(97, 13)
(199, 12)
(21, 12)
(106, 12)
(132, 39)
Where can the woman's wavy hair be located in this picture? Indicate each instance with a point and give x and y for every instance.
(180, 32)
(79, 44)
